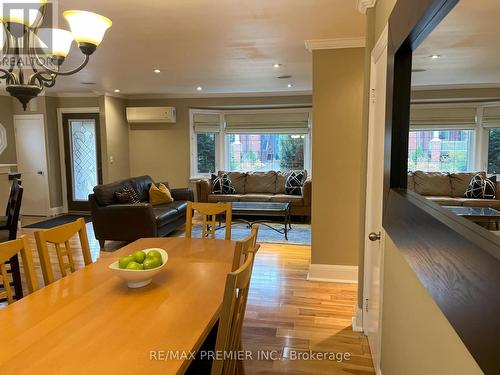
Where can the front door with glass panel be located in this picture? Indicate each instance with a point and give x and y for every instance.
(82, 154)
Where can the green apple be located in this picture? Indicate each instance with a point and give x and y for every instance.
(124, 261)
(135, 266)
(153, 253)
(152, 262)
(139, 256)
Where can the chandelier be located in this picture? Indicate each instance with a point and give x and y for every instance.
(33, 54)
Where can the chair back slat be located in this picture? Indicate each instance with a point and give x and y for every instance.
(209, 213)
(231, 318)
(244, 247)
(7, 251)
(58, 236)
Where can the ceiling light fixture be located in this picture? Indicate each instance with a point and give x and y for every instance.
(434, 57)
(157, 71)
(28, 73)
(276, 65)
(199, 88)
(117, 90)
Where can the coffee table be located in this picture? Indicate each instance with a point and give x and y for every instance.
(478, 215)
(259, 209)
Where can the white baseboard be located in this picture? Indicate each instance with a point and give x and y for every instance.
(54, 211)
(357, 320)
(333, 273)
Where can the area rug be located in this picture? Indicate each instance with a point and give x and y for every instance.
(59, 220)
(299, 235)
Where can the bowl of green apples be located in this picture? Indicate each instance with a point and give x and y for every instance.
(139, 268)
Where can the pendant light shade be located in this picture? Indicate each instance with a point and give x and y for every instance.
(24, 12)
(87, 27)
(55, 42)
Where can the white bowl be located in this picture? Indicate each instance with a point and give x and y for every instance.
(139, 278)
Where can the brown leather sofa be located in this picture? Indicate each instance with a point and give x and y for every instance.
(447, 189)
(259, 187)
(128, 222)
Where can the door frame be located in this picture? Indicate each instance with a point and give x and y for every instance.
(41, 118)
(60, 131)
(380, 47)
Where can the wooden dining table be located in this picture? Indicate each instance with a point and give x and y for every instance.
(90, 322)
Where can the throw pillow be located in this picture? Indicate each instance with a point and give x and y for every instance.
(490, 187)
(127, 195)
(481, 188)
(222, 185)
(294, 183)
(159, 194)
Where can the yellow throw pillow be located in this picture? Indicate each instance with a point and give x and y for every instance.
(159, 195)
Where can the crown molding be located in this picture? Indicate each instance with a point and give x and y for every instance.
(363, 5)
(355, 42)
(220, 95)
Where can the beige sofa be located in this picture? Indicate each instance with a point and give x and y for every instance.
(259, 187)
(448, 189)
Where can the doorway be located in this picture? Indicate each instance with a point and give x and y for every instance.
(32, 164)
(374, 233)
(82, 158)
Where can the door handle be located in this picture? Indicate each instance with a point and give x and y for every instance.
(40, 173)
(374, 236)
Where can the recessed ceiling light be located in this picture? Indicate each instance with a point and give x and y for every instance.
(117, 90)
(199, 88)
(290, 85)
(276, 65)
(157, 71)
(434, 57)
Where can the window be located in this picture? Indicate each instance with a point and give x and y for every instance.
(265, 152)
(440, 150)
(249, 140)
(205, 145)
(494, 150)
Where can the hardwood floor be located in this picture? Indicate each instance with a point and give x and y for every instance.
(286, 317)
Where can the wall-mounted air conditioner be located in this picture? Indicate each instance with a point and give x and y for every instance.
(146, 115)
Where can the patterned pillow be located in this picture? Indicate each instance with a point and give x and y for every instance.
(294, 183)
(490, 187)
(481, 188)
(222, 185)
(127, 195)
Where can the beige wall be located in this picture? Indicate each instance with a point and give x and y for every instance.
(162, 150)
(337, 155)
(117, 160)
(8, 156)
(416, 337)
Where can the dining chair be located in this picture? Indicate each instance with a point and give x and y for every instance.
(58, 236)
(7, 251)
(244, 247)
(8, 232)
(209, 213)
(232, 314)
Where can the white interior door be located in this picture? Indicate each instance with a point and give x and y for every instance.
(32, 164)
(373, 266)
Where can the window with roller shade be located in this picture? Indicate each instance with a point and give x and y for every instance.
(250, 140)
(491, 124)
(442, 139)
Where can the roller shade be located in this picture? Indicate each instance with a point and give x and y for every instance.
(206, 122)
(491, 117)
(442, 118)
(272, 122)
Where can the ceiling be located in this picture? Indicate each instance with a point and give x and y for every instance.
(468, 42)
(224, 46)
